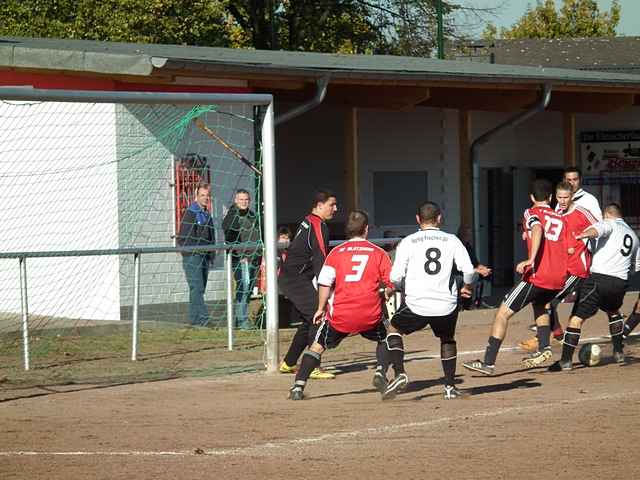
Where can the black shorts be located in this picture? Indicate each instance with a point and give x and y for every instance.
(329, 337)
(570, 285)
(525, 293)
(599, 291)
(406, 322)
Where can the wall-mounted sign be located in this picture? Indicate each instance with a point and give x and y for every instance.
(610, 162)
(610, 152)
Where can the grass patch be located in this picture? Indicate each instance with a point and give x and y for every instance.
(101, 354)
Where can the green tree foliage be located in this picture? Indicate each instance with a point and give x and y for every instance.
(193, 22)
(322, 25)
(401, 27)
(574, 19)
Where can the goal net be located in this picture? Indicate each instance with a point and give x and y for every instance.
(86, 186)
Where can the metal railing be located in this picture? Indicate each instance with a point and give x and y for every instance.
(267, 140)
(137, 253)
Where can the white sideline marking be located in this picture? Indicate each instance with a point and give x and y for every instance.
(506, 349)
(266, 447)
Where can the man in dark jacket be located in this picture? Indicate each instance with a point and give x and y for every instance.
(196, 228)
(241, 225)
(299, 274)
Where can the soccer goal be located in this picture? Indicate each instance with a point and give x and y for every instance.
(95, 190)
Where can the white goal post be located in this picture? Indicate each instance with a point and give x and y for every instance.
(267, 187)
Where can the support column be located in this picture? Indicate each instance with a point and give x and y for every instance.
(352, 191)
(569, 131)
(466, 174)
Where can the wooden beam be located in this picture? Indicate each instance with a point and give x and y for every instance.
(269, 84)
(395, 98)
(471, 99)
(466, 170)
(574, 102)
(351, 162)
(569, 130)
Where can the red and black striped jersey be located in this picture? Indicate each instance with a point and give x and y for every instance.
(308, 249)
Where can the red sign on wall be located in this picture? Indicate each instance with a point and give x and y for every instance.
(190, 170)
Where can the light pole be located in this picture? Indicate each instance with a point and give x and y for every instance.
(440, 34)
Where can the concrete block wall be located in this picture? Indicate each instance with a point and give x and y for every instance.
(146, 201)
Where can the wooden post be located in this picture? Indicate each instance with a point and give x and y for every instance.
(351, 160)
(569, 130)
(466, 173)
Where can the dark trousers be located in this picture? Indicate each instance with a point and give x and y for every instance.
(304, 299)
(196, 270)
(244, 273)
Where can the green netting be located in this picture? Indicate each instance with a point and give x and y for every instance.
(77, 177)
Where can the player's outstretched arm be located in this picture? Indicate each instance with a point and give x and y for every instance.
(600, 229)
(536, 241)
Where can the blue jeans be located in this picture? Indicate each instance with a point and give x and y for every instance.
(196, 269)
(244, 273)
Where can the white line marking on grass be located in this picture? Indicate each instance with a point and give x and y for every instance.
(330, 437)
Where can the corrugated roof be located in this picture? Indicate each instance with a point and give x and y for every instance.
(608, 53)
(143, 59)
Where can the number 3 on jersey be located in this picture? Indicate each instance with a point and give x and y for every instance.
(552, 228)
(359, 264)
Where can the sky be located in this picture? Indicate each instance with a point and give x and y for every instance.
(629, 18)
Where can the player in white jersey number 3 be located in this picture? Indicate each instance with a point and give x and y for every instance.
(425, 262)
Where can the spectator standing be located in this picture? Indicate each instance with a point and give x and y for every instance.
(240, 225)
(196, 229)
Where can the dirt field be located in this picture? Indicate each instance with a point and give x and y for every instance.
(519, 424)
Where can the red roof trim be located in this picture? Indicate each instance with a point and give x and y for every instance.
(71, 82)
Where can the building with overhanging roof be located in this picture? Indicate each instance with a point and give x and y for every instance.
(382, 131)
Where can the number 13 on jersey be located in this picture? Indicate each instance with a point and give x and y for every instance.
(552, 228)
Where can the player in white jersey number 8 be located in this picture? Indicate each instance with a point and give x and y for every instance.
(425, 262)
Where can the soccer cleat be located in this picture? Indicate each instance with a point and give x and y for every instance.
(395, 386)
(560, 366)
(533, 328)
(536, 359)
(479, 366)
(618, 357)
(451, 393)
(296, 393)
(284, 368)
(380, 381)
(530, 345)
(319, 374)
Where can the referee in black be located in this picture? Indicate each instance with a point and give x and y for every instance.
(299, 274)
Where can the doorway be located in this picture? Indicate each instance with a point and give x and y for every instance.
(506, 197)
